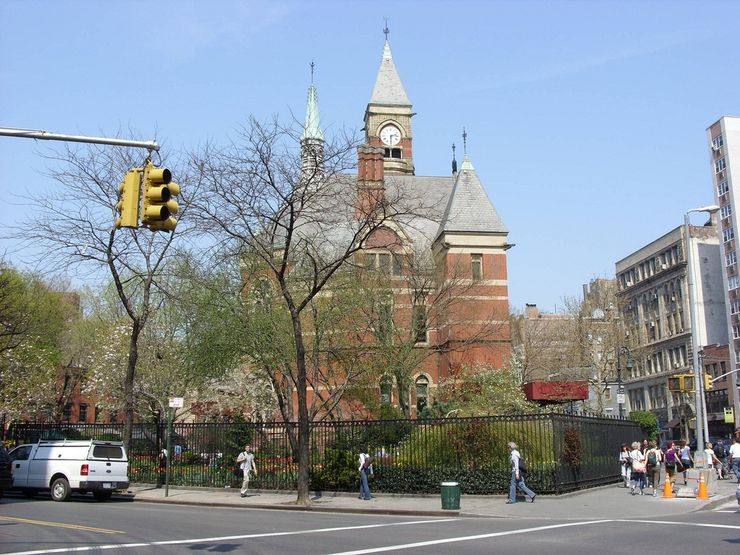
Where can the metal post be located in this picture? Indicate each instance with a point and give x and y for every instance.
(698, 410)
(620, 391)
(169, 453)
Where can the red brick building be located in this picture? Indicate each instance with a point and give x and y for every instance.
(464, 319)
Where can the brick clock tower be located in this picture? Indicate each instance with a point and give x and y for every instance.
(388, 118)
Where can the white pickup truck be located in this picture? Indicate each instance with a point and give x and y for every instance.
(67, 466)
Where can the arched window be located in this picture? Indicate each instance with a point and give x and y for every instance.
(422, 393)
(386, 390)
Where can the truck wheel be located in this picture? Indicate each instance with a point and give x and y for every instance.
(60, 489)
(102, 495)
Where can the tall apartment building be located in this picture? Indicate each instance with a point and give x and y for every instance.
(723, 137)
(653, 299)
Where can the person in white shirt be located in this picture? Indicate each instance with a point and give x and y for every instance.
(734, 459)
(246, 463)
(366, 469)
(638, 468)
(517, 479)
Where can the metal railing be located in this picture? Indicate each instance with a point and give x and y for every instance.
(563, 452)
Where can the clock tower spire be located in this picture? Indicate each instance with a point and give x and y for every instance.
(388, 117)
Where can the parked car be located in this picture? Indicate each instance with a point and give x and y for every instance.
(6, 470)
(737, 494)
(64, 467)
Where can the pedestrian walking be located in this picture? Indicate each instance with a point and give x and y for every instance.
(687, 460)
(672, 462)
(625, 464)
(245, 460)
(638, 468)
(162, 462)
(517, 475)
(366, 469)
(721, 454)
(734, 457)
(653, 460)
(711, 459)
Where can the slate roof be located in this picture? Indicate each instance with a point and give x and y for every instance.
(388, 88)
(469, 209)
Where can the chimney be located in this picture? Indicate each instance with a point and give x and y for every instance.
(531, 311)
(370, 180)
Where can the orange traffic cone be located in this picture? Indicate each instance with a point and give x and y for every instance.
(703, 493)
(668, 488)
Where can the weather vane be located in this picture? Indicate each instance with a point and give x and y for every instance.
(386, 30)
(465, 141)
(312, 66)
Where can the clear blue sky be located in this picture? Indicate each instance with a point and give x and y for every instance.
(586, 120)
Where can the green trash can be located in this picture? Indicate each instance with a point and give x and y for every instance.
(451, 496)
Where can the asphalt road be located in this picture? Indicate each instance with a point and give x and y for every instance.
(84, 525)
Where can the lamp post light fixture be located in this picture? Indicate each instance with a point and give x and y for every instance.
(698, 385)
(620, 388)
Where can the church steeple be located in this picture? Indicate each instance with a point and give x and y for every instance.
(312, 138)
(388, 117)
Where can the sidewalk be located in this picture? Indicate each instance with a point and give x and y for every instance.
(608, 502)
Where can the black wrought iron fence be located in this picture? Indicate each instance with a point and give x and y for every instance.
(563, 451)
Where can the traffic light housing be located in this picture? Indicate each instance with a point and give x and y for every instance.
(708, 381)
(681, 382)
(128, 200)
(158, 202)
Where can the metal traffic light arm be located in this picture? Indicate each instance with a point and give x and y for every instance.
(47, 136)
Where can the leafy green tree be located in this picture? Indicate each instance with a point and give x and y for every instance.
(648, 423)
(35, 377)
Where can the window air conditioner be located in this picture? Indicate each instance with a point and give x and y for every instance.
(664, 266)
(716, 148)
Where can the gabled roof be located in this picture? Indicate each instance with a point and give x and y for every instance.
(388, 88)
(469, 210)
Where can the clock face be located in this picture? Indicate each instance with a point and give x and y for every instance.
(390, 135)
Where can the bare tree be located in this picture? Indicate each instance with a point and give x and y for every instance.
(408, 311)
(301, 222)
(72, 230)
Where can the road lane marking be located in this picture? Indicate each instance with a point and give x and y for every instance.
(677, 523)
(224, 538)
(62, 525)
(467, 538)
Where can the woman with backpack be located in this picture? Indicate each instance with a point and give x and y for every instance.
(517, 475)
(672, 462)
(653, 457)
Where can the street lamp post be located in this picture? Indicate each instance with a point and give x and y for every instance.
(628, 365)
(698, 383)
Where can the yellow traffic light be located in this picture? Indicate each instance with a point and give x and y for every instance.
(681, 382)
(708, 381)
(158, 204)
(128, 200)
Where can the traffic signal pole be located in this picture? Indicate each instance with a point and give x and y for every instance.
(47, 136)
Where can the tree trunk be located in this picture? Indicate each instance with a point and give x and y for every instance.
(303, 420)
(128, 385)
